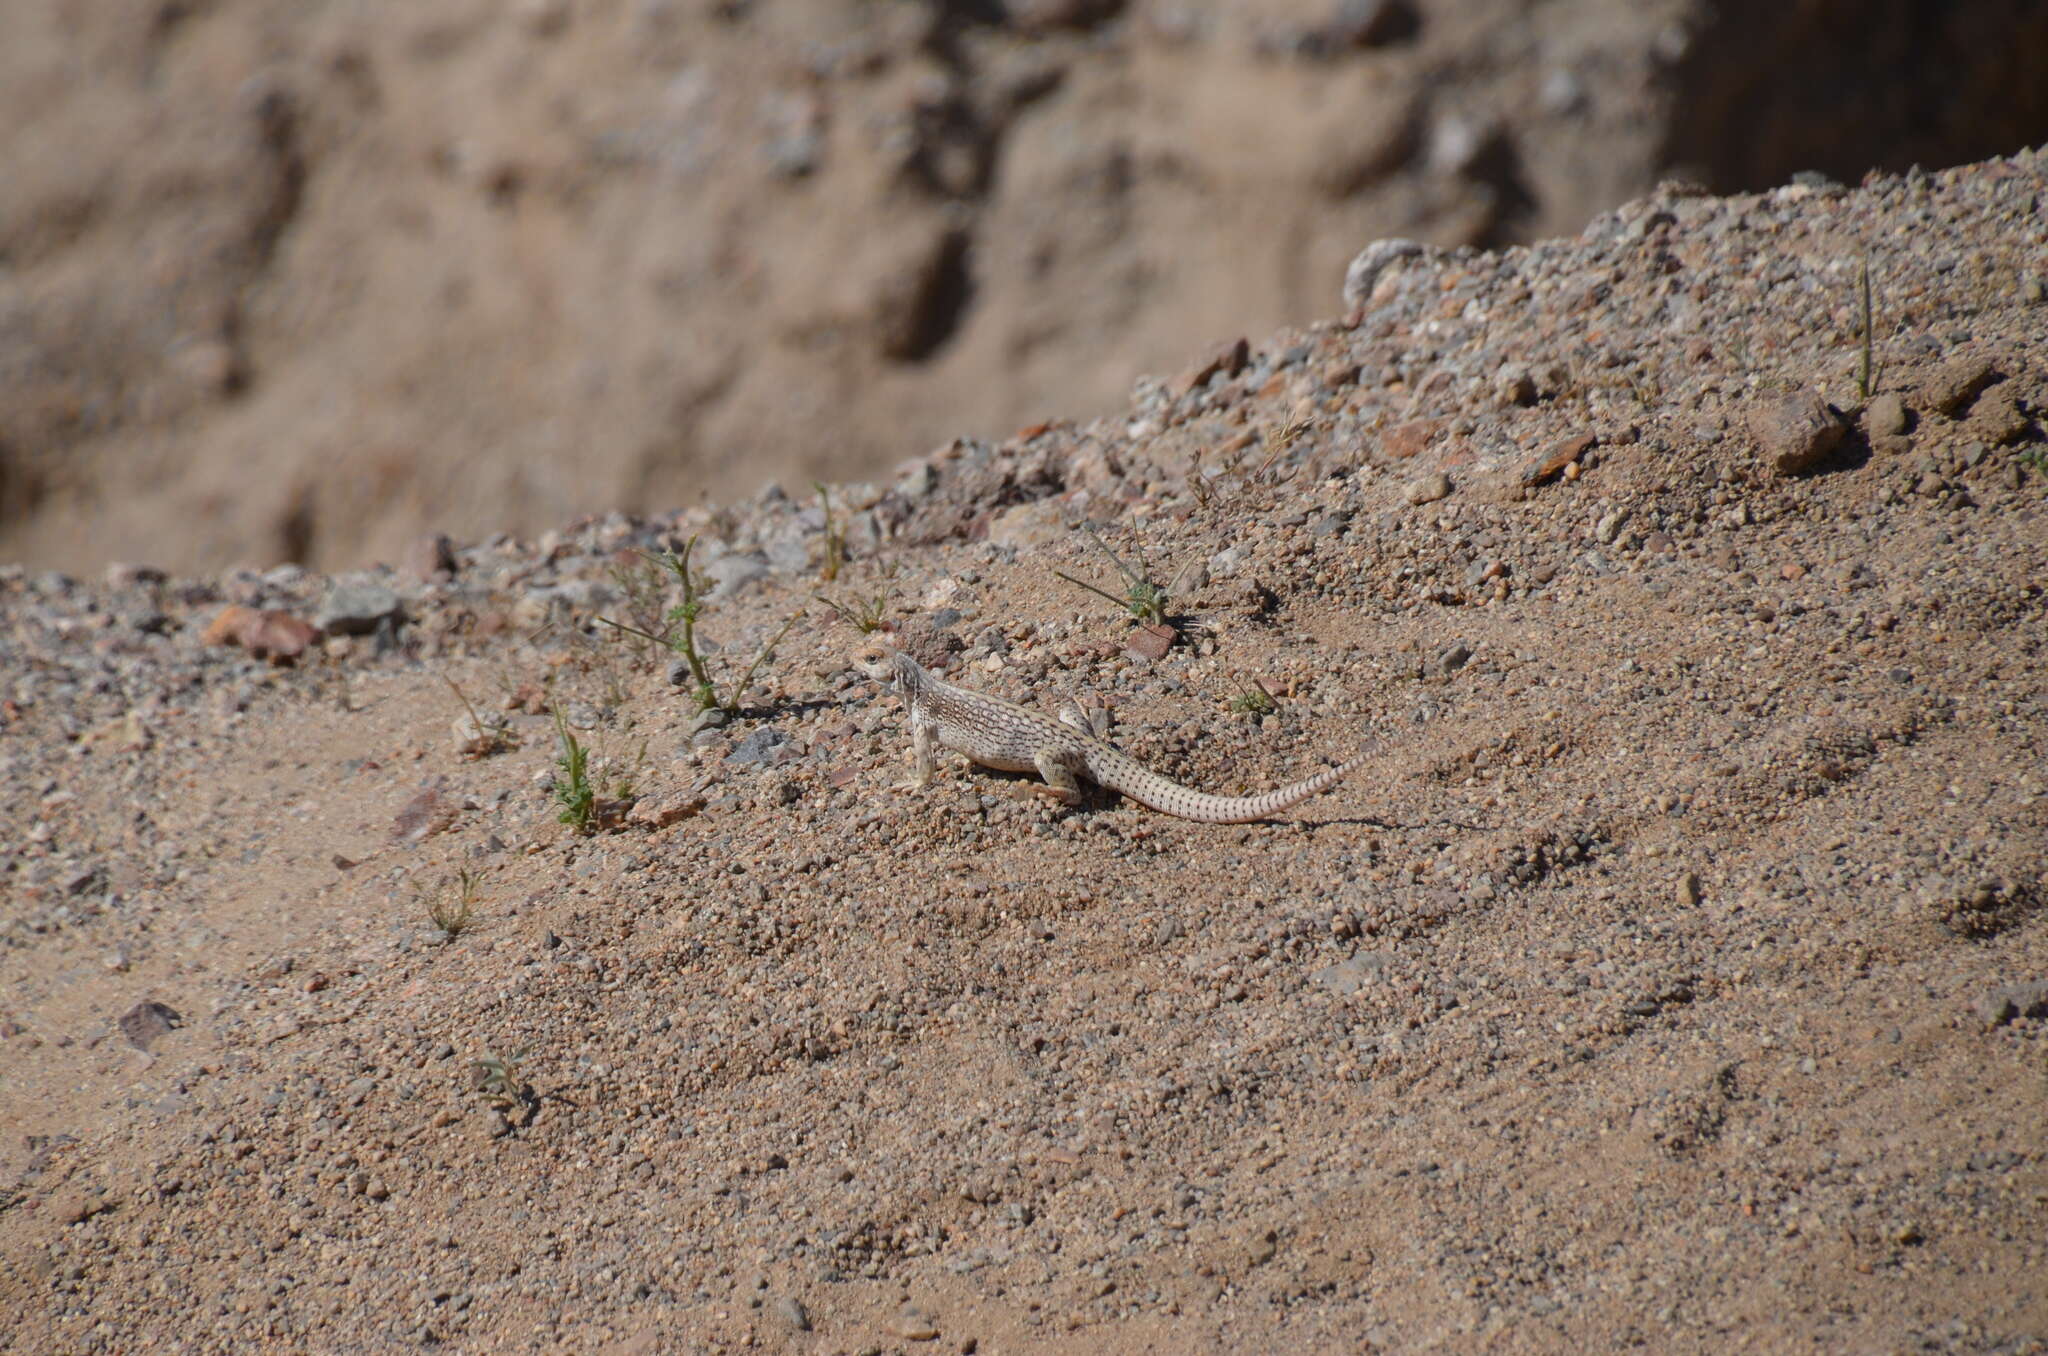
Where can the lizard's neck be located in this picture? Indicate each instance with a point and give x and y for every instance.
(912, 681)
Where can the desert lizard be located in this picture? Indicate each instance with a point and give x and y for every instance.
(1010, 738)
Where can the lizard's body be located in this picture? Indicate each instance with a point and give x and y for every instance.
(1011, 738)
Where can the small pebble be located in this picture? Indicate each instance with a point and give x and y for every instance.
(791, 1311)
(1427, 489)
(914, 1325)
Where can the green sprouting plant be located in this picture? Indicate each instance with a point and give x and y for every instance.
(1867, 372)
(679, 634)
(499, 1080)
(640, 586)
(626, 780)
(1255, 700)
(731, 704)
(454, 910)
(1275, 441)
(572, 779)
(1198, 480)
(835, 537)
(1737, 347)
(2034, 458)
(1143, 599)
(485, 735)
(864, 615)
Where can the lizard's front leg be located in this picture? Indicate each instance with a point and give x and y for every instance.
(924, 741)
(1058, 771)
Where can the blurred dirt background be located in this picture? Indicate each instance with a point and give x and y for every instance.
(301, 283)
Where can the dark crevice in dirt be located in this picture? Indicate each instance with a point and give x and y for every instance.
(944, 293)
(277, 117)
(1842, 87)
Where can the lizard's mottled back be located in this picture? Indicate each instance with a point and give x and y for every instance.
(1011, 738)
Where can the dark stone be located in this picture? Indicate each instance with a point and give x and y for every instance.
(146, 1021)
(2011, 1002)
(764, 745)
(354, 609)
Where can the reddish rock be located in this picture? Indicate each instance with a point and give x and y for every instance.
(1997, 419)
(658, 812)
(1796, 432)
(1151, 642)
(530, 697)
(1951, 387)
(1229, 360)
(75, 1205)
(1561, 454)
(276, 636)
(426, 814)
(1409, 439)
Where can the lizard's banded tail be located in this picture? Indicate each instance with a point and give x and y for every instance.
(1125, 774)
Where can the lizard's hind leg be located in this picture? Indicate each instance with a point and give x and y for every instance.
(1095, 725)
(1058, 770)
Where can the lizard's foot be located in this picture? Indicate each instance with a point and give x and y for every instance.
(914, 784)
(1064, 795)
(1094, 724)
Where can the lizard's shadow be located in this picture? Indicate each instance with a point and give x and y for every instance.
(1095, 801)
(1367, 821)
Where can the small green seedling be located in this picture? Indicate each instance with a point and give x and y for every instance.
(1255, 701)
(481, 735)
(835, 537)
(1274, 442)
(640, 586)
(1143, 599)
(625, 783)
(865, 615)
(1866, 372)
(572, 779)
(731, 705)
(679, 634)
(454, 910)
(1277, 440)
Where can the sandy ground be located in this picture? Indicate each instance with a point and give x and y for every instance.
(1671, 976)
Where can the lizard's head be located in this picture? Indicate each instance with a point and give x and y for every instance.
(876, 661)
